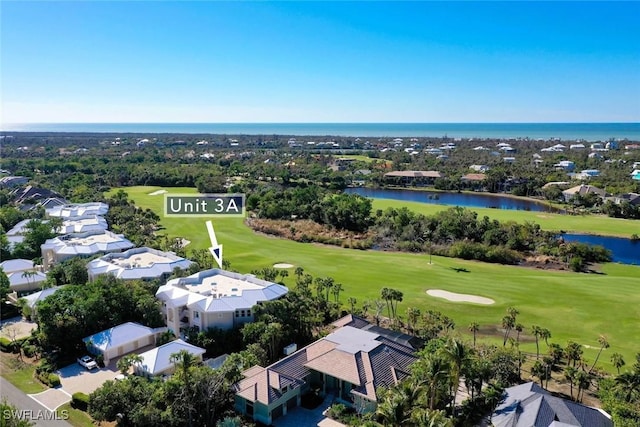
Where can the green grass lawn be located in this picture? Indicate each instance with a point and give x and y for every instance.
(24, 379)
(590, 224)
(77, 417)
(572, 306)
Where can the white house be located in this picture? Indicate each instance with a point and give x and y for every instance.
(82, 224)
(567, 165)
(137, 264)
(26, 281)
(157, 361)
(17, 265)
(86, 244)
(120, 340)
(33, 299)
(214, 299)
(78, 209)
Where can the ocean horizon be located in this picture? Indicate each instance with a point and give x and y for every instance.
(561, 131)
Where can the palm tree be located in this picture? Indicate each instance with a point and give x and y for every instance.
(629, 384)
(617, 361)
(183, 361)
(545, 334)
(352, 302)
(385, 294)
(537, 370)
(391, 411)
(433, 369)
(583, 379)
(457, 354)
(283, 274)
(379, 306)
(603, 344)
(573, 352)
(519, 329)
(474, 327)
(570, 375)
(299, 271)
(427, 418)
(337, 288)
(125, 363)
(413, 314)
(28, 275)
(535, 330)
(508, 323)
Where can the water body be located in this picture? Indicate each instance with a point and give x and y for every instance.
(469, 200)
(563, 131)
(624, 251)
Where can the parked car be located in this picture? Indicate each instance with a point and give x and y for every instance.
(87, 362)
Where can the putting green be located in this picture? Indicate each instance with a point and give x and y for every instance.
(572, 306)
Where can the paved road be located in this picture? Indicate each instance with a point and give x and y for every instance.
(32, 409)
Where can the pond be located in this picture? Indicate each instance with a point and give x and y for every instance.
(469, 200)
(625, 251)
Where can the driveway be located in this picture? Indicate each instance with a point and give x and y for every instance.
(16, 328)
(75, 378)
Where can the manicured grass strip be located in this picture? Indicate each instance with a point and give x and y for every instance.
(572, 306)
(77, 417)
(24, 379)
(588, 224)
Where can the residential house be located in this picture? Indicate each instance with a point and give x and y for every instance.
(577, 147)
(157, 361)
(566, 165)
(82, 224)
(583, 190)
(480, 168)
(473, 177)
(33, 299)
(351, 363)
(635, 175)
(78, 209)
(120, 340)
(529, 405)
(13, 181)
(31, 196)
(23, 276)
(86, 244)
(137, 264)
(214, 299)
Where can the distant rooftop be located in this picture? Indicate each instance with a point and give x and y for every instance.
(137, 263)
(80, 209)
(91, 242)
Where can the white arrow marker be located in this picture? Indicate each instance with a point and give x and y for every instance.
(215, 249)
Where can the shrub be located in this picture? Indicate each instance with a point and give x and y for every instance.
(80, 401)
(29, 350)
(5, 345)
(53, 380)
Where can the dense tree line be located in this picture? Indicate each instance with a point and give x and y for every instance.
(75, 312)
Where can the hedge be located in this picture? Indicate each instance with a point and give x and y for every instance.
(80, 401)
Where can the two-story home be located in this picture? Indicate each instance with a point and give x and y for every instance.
(86, 244)
(214, 299)
(137, 264)
(351, 364)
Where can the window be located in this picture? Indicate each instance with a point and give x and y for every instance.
(196, 314)
(242, 313)
(250, 409)
(220, 315)
(237, 313)
(248, 313)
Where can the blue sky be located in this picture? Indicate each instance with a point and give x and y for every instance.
(210, 61)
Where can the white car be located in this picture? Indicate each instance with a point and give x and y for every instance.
(87, 362)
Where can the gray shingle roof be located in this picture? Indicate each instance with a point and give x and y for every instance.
(528, 405)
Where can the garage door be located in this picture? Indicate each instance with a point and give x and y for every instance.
(292, 403)
(277, 412)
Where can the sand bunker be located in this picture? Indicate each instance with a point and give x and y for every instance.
(451, 296)
(155, 193)
(282, 265)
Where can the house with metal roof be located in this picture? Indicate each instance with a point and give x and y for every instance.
(351, 363)
(529, 405)
(86, 244)
(23, 276)
(157, 361)
(214, 299)
(120, 340)
(137, 264)
(82, 224)
(78, 209)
